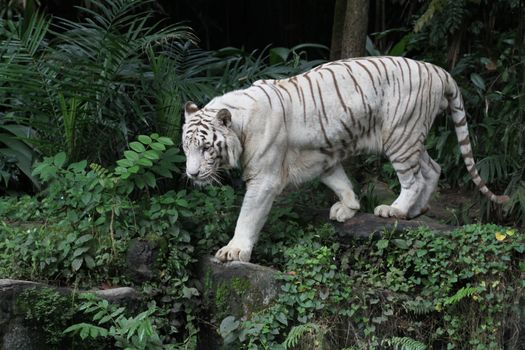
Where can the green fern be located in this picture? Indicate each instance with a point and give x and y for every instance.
(404, 343)
(297, 332)
(419, 307)
(464, 292)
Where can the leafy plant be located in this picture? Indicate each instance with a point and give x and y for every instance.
(89, 87)
(446, 290)
(49, 309)
(135, 332)
(16, 153)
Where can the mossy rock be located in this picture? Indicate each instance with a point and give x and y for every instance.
(233, 289)
(33, 315)
(142, 257)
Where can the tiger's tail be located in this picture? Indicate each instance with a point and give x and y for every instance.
(459, 117)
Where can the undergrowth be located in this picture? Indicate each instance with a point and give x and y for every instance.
(417, 290)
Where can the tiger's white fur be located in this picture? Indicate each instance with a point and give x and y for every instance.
(292, 130)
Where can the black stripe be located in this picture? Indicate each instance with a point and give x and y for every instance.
(281, 100)
(311, 90)
(249, 96)
(461, 123)
(268, 96)
(322, 103)
(337, 88)
(285, 89)
(324, 131)
(369, 74)
(301, 97)
(386, 71)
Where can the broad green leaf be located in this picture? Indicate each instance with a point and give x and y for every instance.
(144, 162)
(401, 243)
(126, 163)
(86, 198)
(59, 159)
(151, 154)
(139, 181)
(228, 325)
(78, 166)
(158, 146)
(80, 251)
(382, 244)
(162, 171)
(144, 139)
(121, 170)
(281, 317)
(137, 146)
(478, 81)
(166, 141)
(131, 155)
(134, 169)
(77, 263)
(84, 238)
(149, 178)
(90, 262)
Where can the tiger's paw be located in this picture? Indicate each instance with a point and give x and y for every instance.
(231, 252)
(387, 211)
(415, 212)
(341, 212)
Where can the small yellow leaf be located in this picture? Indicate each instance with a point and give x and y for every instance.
(510, 232)
(500, 236)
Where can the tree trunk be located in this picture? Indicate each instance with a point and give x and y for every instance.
(337, 29)
(349, 29)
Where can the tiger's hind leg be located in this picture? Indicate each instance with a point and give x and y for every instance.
(430, 171)
(338, 182)
(407, 167)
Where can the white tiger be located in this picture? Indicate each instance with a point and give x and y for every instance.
(292, 130)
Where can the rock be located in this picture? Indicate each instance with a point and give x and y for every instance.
(18, 333)
(232, 289)
(141, 257)
(364, 226)
(118, 295)
(20, 337)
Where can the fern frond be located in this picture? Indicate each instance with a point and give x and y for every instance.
(464, 292)
(419, 307)
(297, 332)
(404, 343)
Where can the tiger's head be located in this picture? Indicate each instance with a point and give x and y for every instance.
(209, 143)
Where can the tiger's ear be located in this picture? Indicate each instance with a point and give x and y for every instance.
(225, 117)
(190, 108)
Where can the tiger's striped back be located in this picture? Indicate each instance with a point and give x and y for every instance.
(385, 104)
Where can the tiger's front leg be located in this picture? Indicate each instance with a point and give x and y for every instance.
(258, 200)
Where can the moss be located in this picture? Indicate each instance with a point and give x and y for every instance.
(229, 297)
(48, 310)
(160, 242)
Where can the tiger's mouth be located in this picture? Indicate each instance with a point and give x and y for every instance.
(205, 179)
(202, 181)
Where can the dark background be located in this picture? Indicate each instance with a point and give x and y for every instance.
(253, 25)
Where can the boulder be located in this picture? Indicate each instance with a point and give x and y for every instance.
(17, 333)
(18, 336)
(232, 289)
(140, 259)
(365, 226)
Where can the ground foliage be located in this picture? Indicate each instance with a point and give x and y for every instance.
(421, 289)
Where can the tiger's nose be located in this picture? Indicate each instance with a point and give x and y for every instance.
(193, 174)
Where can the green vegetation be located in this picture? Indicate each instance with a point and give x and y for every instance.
(90, 119)
(419, 290)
